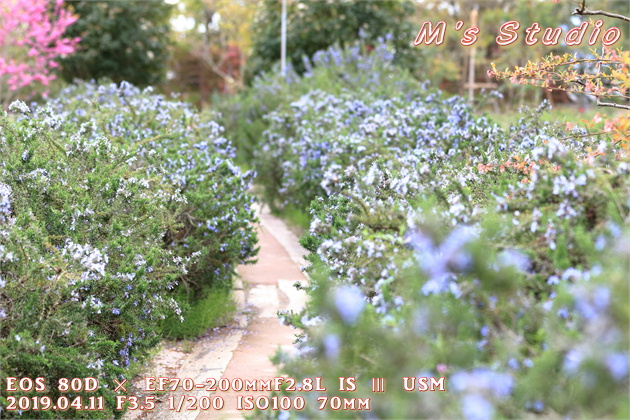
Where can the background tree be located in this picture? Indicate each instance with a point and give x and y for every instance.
(211, 41)
(228, 24)
(121, 40)
(315, 25)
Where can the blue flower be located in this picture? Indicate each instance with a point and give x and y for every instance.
(475, 407)
(510, 257)
(484, 331)
(513, 363)
(483, 379)
(332, 345)
(283, 415)
(538, 406)
(563, 313)
(553, 280)
(601, 298)
(442, 262)
(572, 361)
(617, 364)
(600, 242)
(572, 273)
(349, 302)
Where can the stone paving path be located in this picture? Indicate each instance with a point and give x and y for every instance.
(243, 349)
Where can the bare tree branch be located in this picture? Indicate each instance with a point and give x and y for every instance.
(215, 67)
(584, 12)
(602, 13)
(206, 54)
(613, 105)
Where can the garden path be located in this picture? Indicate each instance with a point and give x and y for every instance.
(243, 349)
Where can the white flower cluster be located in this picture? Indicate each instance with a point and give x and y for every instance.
(92, 259)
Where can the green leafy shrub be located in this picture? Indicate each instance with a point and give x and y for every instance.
(505, 351)
(444, 246)
(114, 201)
(513, 293)
(84, 273)
(334, 70)
(188, 153)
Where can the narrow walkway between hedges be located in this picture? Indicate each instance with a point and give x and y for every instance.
(243, 349)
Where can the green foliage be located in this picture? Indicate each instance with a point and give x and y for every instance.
(333, 71)
(445, 246)
(85, 275)
(111, 197)
(188, 153)
(518, 302)
(121, 40)
(200, 314)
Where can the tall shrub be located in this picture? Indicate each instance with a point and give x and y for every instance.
(84, 275)
(188, 152)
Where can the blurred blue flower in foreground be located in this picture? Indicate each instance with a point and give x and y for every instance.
(349, 302)
(475, 407)
(442, 262)
(617, 364)
(483, 381)
(332, 345)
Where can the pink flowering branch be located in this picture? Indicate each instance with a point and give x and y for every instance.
(611, 78)
(608, 74)
(31, 39)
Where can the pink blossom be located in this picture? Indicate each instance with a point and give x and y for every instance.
(609, 126)
(33, 35)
